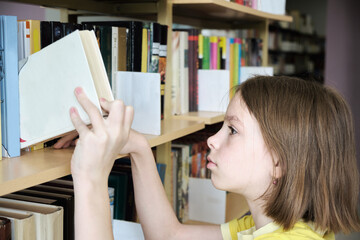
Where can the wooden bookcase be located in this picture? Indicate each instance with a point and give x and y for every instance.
(44, 165)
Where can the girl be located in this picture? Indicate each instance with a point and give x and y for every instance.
(286, 145)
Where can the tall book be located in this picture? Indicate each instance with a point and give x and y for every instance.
(154, 62)
(10, 118)
(162, 64)
(184, 72)
(49, 78)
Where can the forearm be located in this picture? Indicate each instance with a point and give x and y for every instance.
(92, 210)
(155, 213)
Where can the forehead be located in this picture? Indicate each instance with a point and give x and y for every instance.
(236, 109)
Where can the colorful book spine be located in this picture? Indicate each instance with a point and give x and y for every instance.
(162, 65)
(231, 65)
(201, 51)
(213, 52)
(206, 53)
(222, 48)
(144, 50)
(10, 114)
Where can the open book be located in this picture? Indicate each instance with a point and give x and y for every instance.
(47, 82)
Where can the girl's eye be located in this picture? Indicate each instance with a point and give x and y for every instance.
(232, 130)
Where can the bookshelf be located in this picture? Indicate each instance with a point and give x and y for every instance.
(44, 165)
(208, 118)
(47, 164)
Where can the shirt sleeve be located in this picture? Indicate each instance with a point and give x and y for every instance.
(230, 229)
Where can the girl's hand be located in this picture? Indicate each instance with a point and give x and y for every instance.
(96, 149)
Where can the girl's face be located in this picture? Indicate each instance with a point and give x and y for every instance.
(239, 160)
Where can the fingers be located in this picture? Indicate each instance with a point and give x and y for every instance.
(79, 125)
(68, 138)
(105, 104)
(92, 111)
(128, 118)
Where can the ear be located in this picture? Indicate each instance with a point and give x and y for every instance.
(277, 169)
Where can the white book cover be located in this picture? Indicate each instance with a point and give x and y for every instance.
(206, 203)
(249, 72)
(142, 91)
(127, 230)
(47, 82)
(214, 86)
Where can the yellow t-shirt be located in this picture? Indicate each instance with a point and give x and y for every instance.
(244, 229)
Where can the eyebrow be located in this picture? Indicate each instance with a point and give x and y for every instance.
(233, 118)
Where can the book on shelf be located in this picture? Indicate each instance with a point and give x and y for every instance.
(142, 91)
(23, 225)
(10, 118)
(48, 218)
(64, 200)
(48, 79)
(5, 228)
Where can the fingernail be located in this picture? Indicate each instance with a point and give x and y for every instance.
(72, 110)
(78, 90)
(102, 99)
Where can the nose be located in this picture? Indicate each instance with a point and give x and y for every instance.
(212, 142)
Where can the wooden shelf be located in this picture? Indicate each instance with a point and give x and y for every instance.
(44, 165)
(208, 117)
(221, 10)
(174, 128)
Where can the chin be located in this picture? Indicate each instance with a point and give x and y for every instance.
(217, 184)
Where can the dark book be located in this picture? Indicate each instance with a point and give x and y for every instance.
(155, 32)
(25, 198)
(134, 41)
(5, 229)
(68, 28)
(57, 31)
(45, 34)
(104, 36)
(162, 65)
(64, 200)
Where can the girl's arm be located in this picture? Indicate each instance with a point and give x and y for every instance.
(155, 213)
(91, 163)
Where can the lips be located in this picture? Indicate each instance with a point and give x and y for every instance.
(211, 162)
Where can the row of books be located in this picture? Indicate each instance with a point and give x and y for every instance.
(189, 161)
(195, 49)
(46, 211)
(61, 65)
(270, 6)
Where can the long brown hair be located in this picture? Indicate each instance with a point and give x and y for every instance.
(308, 127)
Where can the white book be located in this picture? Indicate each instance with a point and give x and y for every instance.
(22, 224)
(184, 73)
(48, 218)
(249, 72)
(127, 230)
(47, 82)
(142, 91)
(176, 69)
(214, 86)
(114, 54)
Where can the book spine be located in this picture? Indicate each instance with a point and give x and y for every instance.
(144, 50)
(162, 65)
(10, 113)
(214, 53)
(201, 51)
(206, 52)
(114, 56)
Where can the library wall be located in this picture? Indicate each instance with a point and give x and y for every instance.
(28, 11)
(342, 55)
(317, 10)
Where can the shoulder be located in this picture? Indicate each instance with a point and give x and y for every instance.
(300, 231)
(230, 229)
